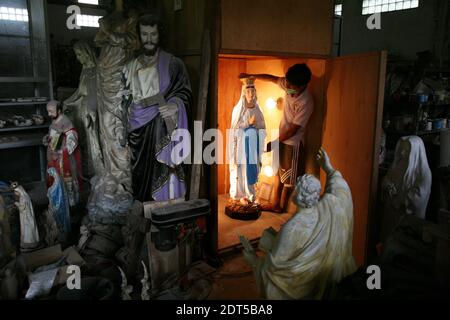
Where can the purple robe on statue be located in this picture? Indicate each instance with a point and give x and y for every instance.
(157, 176)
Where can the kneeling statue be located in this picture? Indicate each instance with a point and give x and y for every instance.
(312, 252)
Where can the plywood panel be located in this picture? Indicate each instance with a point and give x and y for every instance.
(184, 28)
(229, 91)
(290, 26)
(352, 131)
(193, 66)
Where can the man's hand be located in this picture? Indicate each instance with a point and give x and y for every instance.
(324, 161)
(264, 77)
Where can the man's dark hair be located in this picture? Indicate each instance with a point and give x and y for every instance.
(299, 75)
(149, 20)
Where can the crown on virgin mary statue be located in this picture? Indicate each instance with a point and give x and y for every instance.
(248, 82)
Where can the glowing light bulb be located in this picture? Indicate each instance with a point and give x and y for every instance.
(271, 104)
(268, 171)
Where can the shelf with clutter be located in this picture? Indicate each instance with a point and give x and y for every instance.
(25, 89)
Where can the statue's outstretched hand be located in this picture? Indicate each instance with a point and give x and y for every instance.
(248, 252)
(246, 244)
(324, 161)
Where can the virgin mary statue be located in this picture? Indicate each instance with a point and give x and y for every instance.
(246, 144)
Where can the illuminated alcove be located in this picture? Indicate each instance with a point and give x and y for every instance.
(270, 100)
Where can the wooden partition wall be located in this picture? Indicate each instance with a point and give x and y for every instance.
(348, 96)
(284, 26)
(352, 131)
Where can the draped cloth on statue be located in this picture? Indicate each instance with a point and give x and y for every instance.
(252, 151)
(407, 184)
(313, 250)
(29, 234)
(82, 109)
(63, 154)
(156, 175)
(59, 204)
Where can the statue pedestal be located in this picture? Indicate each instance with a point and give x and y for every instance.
(236, 210)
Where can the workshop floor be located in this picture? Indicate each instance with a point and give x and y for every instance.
(234, 280)
(229, 228)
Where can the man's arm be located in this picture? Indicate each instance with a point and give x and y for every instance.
(288, 131)
(285, 133)
(264, 77)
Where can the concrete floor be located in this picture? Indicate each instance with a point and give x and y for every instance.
(229, 228)
(234, 281)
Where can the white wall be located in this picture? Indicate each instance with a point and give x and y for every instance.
(402, 32)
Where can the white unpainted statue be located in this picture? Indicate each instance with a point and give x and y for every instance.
(247, 125)
(145, 284)
(126, 289)
(312, 252)
(407, 185)
(29, 234)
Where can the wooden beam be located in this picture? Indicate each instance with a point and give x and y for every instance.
(196, 169)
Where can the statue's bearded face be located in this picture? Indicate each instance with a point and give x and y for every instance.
(149, 38)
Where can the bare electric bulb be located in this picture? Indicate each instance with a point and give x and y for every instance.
(271, 104)
(268, 171)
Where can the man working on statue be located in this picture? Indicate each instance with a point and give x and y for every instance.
(63, 152)
(159, 96)
(298, 108)
(312, 252)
